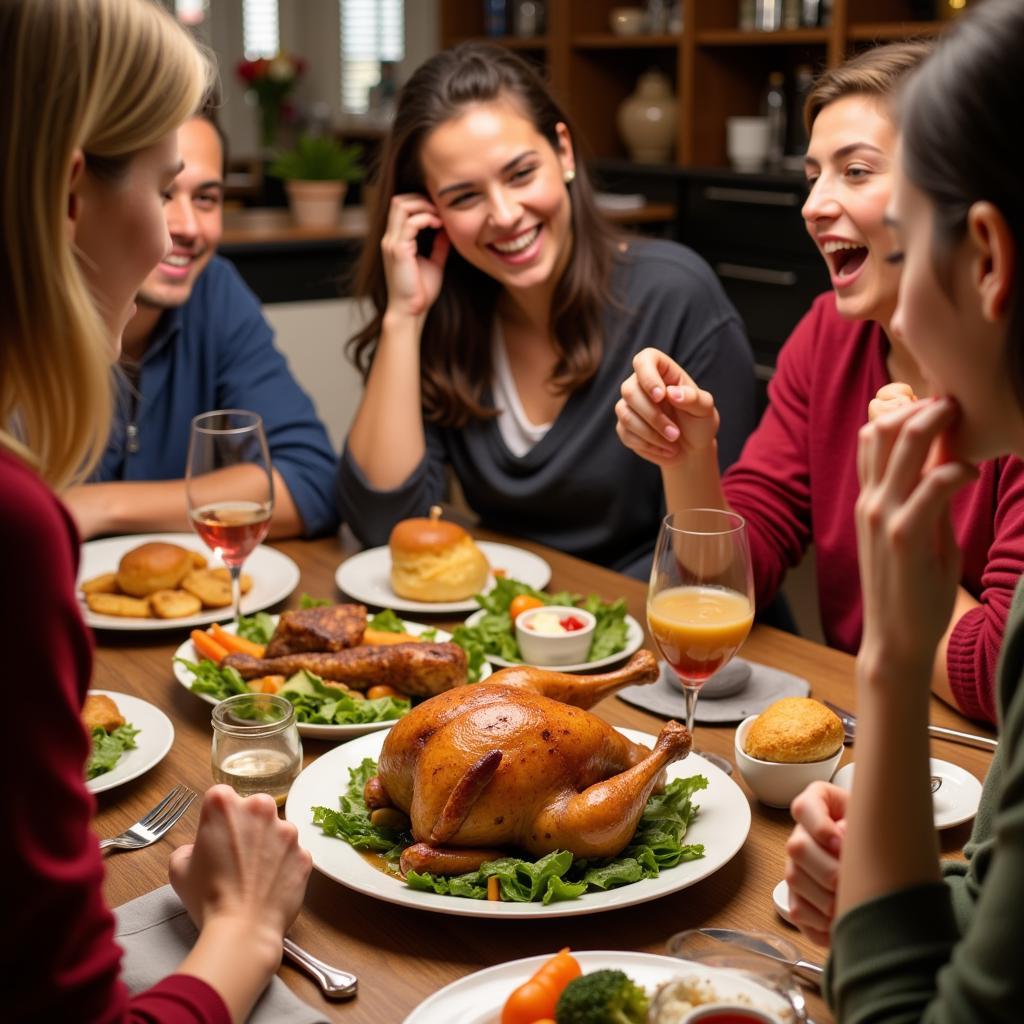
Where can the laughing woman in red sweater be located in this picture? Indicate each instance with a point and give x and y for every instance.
(796, 479)
(94, 91)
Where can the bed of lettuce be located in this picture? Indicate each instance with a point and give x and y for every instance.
(656, 845)
(107, 748)
(495, 634)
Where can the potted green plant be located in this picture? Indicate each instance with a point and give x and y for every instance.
(316, 174)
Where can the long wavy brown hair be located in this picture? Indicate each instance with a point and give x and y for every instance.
(456, 343)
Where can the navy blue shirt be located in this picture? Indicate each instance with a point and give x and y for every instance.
(217, 352)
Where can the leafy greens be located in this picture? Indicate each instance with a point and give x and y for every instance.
(107, 748)
(657, 844)
(495, 633)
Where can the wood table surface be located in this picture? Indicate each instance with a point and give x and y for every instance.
(403, 955)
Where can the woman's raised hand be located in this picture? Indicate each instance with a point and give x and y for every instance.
(812, 858)
(890, 396)
(413, 281)
(662, 415)
(245, 865)
(909, 560)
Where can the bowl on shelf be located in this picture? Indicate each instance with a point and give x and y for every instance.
(776, 783)
(554, 635)
(628, 21)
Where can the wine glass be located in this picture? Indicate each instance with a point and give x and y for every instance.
(230, 487)
(700, 602)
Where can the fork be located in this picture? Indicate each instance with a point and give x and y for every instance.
(972, 739)
(155, 824)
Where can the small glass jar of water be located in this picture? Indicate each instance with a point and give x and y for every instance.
(256, 745)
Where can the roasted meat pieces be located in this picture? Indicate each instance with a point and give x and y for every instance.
(331, 628)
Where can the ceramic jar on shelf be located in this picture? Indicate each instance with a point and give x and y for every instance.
(647, 120)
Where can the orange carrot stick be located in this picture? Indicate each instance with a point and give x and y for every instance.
(207, 647)
(236, 644)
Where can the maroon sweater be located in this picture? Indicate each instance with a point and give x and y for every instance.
(57, 946)
(796, 484)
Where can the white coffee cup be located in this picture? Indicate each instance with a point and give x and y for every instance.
(747, 142)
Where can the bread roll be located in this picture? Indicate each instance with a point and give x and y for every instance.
(152, 567)
(794, 730)
(434, 560)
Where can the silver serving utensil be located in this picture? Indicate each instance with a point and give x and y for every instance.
(971, 739)
(804, 969)
(334, 983)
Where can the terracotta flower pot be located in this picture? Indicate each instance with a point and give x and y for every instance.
(315, 204)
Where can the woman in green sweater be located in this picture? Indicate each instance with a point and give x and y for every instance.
(906, 946)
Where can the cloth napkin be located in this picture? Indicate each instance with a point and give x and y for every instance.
(156, 933)
(765, 686)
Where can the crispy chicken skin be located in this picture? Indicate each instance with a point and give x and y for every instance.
(419, 669)
(333, 628)
(101, 712)
(500, 766)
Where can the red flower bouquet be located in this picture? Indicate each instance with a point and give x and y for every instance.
(270, 79)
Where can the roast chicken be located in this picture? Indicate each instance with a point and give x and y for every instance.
(518, 763)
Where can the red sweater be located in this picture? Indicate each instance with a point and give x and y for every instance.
(57, 946)
(796, 483)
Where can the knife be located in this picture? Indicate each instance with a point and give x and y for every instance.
(805, 969)
(972, 739)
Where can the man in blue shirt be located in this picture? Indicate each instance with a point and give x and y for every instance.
(199, 342)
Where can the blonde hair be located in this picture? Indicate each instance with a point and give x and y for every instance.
(877, 72)
(109, 77)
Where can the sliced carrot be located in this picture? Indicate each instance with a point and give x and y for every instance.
(266, 684)
(236, 644)
(494, 888)
(377, 637)
(207, 647)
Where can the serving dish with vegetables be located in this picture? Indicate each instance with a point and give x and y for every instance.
(324, 709)
(491, 631)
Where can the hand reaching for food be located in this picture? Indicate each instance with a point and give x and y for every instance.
(812, 858)
(890, 396)
(663, 415)
(413, 281)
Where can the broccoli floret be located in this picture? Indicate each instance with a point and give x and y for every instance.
(602, 997)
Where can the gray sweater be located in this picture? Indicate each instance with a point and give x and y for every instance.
(951, 953)
(579, 490)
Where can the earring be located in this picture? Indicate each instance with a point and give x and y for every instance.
(569, 177)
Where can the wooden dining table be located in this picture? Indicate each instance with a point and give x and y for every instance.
(402, 955)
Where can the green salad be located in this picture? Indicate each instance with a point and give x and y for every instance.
(657, 844)
(494, 633)
(107, 748)
(315, 702)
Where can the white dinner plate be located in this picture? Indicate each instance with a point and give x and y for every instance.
(367, 577)
(274, 577)
(479, 997)
(156, 734)
(634, 640)
(955, 801)
(722, 826)
(339, 733)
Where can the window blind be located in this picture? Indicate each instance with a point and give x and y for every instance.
(260, 32)
(372, 31)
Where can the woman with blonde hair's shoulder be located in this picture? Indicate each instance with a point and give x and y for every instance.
(94, 91)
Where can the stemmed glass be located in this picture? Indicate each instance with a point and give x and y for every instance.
(230, 487)
(700, 602)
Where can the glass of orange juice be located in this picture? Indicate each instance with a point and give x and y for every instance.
(700, 603)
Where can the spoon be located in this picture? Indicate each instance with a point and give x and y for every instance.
(334, 983)
(804, 969)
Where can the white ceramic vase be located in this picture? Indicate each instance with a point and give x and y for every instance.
(647, 120)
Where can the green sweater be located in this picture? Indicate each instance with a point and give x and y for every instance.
(953, 951)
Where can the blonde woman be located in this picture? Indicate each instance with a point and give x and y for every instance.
(94, 91)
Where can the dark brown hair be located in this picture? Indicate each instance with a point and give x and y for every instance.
(456, 344)
(875, 72)
(959, 143)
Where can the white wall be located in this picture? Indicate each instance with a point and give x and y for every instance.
(312, 336)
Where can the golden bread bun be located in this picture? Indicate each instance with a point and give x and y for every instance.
(794, 730)
(153, 566)
(432, 560)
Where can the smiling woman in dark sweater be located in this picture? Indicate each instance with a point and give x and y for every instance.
(507, 314)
